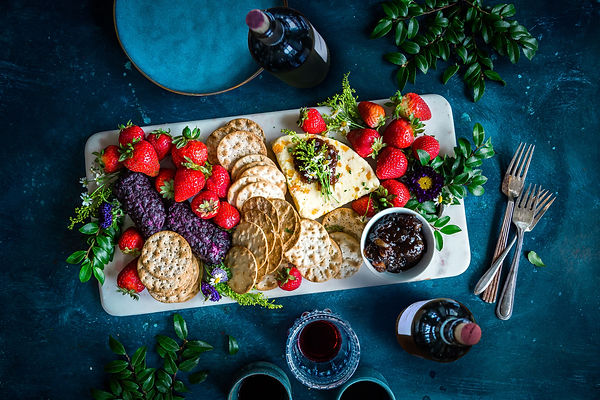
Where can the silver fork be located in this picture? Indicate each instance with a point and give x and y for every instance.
(512, 185)
(530, 209)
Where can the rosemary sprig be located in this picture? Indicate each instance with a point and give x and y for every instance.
(461, 32)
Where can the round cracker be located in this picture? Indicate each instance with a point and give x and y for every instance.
(264, 222)
(166, 255)
(344, 220)
(245, 124)
(310, 253)
(250, 236)
(240, 183)
(243, 162)
(240, 171)
(289, 222)
(351, 258)
(269, 173)
(238, 144)
(268, 282)
(213, 141)
(335, 257)
(276, 255)
(243, 268)
(260, 188)
(185, 294)
(262, 204)
(167, 287)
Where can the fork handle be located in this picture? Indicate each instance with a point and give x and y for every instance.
(489, 295)
(504, 308)
(486, 279)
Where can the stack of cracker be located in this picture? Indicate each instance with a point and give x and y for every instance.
(168, 269)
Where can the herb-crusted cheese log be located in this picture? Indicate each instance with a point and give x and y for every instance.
(356, 178)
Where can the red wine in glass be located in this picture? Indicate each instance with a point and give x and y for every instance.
(320, 341)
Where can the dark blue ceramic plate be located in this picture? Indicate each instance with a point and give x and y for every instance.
(193, 47)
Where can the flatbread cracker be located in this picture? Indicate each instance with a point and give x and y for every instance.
(187, 293)
(250, 236)
(264, 222)
(335, 257)
(344, 220)
(262, 204)
(213, 141)
(310, 253)
(243, 268)
(238, 144)
(289, 222)
(260, 188)
(166, 255)
(267, 172)
(351, 258)
(240, 183)
(276, 255)
(167, 287)
(246, 160)
(268, 282)
(245, 124)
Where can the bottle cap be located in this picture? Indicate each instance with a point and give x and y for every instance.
(257, 21)
(468, 334)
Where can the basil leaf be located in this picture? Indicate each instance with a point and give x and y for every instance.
(478, 134)
(198, 377)
(402, 77)
(450, 229)
(410, 47)
(85, 273)
(465, 146)
(382, 28)
(99, 274)
(101, 395)
(439, 241)
(180, 387)
(180, 326)
(76, 257)
(395, 58)
(148, 382)
(189, 365)
(390, 9)
(139, 356)
(233, 345)
(116, 346)
(423, 156)
(421, 63)
(115, 366)
(198, 346)
(412, 28)
(169, 365)
(535, 259)
(89, 229)
(449, 73)
(441, 221)
(167, 343)
(400, 33)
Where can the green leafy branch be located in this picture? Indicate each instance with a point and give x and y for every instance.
(461, 32)
(131, 378)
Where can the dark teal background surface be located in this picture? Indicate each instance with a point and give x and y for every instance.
(63, 77)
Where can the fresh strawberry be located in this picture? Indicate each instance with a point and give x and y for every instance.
(161, 141)
(218, 182)
(129, 281)
(108, 159)
(393, 193)
(131, 242)
(366, 142)
(130, 134)
(188, 183)
(205, 204)
(227, 217)
(164, 183)
(391, 163)
(373, 114)
(401, 132)
(140, 157)
(413, 106)
(188, 150)
(427, 143)
(311, 121)
(364, 206)
(289, 278)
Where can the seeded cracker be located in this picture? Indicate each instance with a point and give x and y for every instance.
(184, 294)
(310, 253)
(261, 188)
(239, 184)
(168, 286)
(276, 255)
(262, 204)
(250, 236)
(245, 124)
(351, 258)
(268, 173)
(213, 141)
(335, 257)
(268, 282)
(240, 170)
(166, 255)
(238, 144)
(243, 269)
(344, 220)
(289, 222)
(244, 161)
(264, 222)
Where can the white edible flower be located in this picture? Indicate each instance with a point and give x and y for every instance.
(344, 127)
(83, 182)
(86, 200)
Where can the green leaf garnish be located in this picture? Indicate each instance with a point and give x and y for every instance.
(232, 345)
(535, 259)
(180, 326)
(116, 346)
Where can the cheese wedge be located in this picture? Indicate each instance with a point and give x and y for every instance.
(356, 179)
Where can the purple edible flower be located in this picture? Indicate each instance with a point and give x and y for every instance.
(218, 276)
(425, 183)
(209, 292)
(105, 215)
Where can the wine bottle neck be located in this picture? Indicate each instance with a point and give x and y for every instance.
(459, 332)
(264, 27)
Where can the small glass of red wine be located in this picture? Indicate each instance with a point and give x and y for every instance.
(322, 350)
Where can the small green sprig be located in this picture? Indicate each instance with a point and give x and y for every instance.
(464, 33)
(533, 258)
(131, 378)
(344, 110)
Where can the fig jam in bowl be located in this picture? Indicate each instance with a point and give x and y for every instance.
(398, 244)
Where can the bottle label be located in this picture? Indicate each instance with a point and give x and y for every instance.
(320, 46)
(406, 319)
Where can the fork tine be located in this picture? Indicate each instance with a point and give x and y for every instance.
(540, 214)
(515, 160)
(541, 204)
(528, 156)
(543, 198)
(532, 201)
(523, 198)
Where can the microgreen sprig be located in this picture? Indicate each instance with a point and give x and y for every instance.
(344, 110)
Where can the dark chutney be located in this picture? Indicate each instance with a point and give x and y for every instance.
(395, 243)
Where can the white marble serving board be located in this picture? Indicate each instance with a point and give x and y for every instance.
(453, 260)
